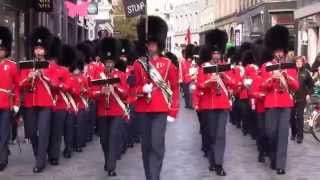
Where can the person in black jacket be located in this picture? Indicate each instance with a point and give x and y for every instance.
(300, 97)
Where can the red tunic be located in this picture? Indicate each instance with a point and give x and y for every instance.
(60, 89)
(79, 90)
(209, 97)
(41, 95)
(9, 84)
(185, 68)
(158, 103)
(120, 89)
(275, 97)
(257, 94)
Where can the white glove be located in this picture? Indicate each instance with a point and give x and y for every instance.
(147, 88)
(170, 119)
(16, 109)
(247, 82)
(192, 87)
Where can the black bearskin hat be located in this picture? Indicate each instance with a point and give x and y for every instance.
(248, 57)
(157, 31)
(173, 58)
(109, 49)
(205, 54)
(126, 48)
(276, 38)
(41, 36)
(78, 62)
(55, 49)
(190, 51)
(216, 40)
(87, 50)
(68, 56)
(5, 40)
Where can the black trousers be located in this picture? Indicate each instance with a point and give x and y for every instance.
(14, 127)
(153, 129)
(217, 121)
(236, 113)
(187, 94)
(110, 139)
(261, 134)
(5, 122)
(134, 128)
(37, 123)
(204, 131)
(56, 133)
(68, 132)
(245, 116)
(92, 118)
(297, 119)
(277, 130)
(80, 129)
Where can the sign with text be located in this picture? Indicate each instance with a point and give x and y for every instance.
(43, 5)
(134, 7)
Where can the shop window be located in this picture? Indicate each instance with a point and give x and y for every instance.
(283, 18)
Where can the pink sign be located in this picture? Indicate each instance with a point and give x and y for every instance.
(80, 9)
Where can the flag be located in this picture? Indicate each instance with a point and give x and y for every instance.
(187, 38)
(80, 9)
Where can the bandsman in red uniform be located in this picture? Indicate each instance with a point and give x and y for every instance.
(125, 64)
(79, 89)
(257, 96)
(248, 59)
(68, 56)
(112, 109)
(9, 93)
(157, 89)
(62, 104)
(38, 98)
(214, 101)
(278, 86)
(186, 74)
(90, 68)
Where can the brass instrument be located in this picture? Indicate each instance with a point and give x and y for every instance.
(216, 71)
(33, 84)
(283, 85)
(108, 71)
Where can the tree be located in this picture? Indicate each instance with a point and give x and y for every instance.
(126, 27)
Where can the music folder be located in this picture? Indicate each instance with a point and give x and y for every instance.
(281, 66)
(217, 68)
(30, 64)
(105, 81)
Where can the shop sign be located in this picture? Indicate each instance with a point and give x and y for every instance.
(42, 5)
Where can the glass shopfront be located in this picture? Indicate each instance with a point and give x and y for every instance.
(14, 20)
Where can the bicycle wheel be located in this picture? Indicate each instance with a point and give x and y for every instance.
(309, 114)
(315, 131)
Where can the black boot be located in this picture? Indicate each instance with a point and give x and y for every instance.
(54, 162)
(38, 169)
(112, 173)
(78, 149)
(212, 168)
(281, 171)
(3, 166)
(67, 154)
(220, 171)
(261, 158)
(299, 140)
(273, 165)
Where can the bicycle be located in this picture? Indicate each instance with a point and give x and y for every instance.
(312, 120)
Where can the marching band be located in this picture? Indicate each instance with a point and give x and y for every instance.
(129, 91)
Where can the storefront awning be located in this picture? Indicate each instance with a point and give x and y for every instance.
(307, 11)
